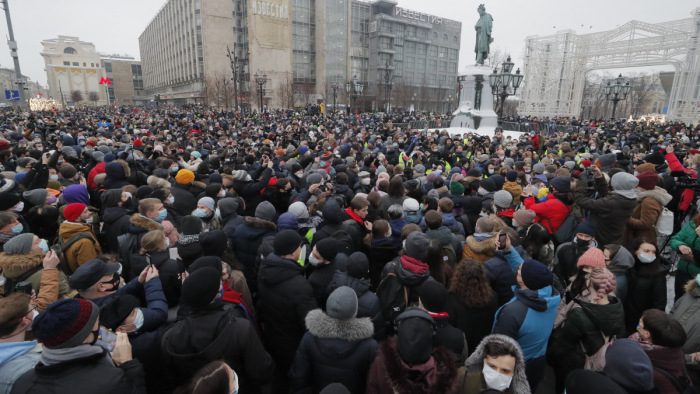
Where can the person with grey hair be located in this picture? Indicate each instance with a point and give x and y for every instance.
(396, 221)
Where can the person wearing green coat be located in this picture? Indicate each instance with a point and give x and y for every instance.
(592, 314)
(687, 243)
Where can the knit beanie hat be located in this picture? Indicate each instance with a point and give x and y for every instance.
(535, 275)
(585, 163)
(647, 180)
(585, 228)
(72, 211)
(299, 210)
(502, 199)
(607, 160)
(646, 167)
(430, 178)
(240, 175)
(19, 244)
(36, 197)
(511, 176)
(191, 225)
(474, 172)
(327, 248)
(65, 323)
(266, 211)
(201, 287)
(433, 296)
(213, 242)
(342, 303)
(489, 185)
(593, 258)
(357, 265)
(456, 188)
(286, 242)
(524, 217)
(314, 178)
(628, 365)
(498, 180)
(184, 177)
(287, 221)
(538, 168)
(414, 339)
(113, 314)
(561, 183)
(8, 200)
(68, 171)
(335, 388)
(227, 206)
(624, 181)
(207, 202)
(417, 245)
(585, 382)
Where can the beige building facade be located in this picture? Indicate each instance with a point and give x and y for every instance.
(126, 79)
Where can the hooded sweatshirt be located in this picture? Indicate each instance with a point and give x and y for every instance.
(16, 358)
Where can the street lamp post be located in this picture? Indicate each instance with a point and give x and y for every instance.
(618, 91)
(500, 83)
(234, 69)
(260, 80)
(449, 104)
(335, 86)
(353, 88)
(388, 84)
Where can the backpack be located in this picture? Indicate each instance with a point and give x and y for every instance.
(9, 286)
(664, 226)
(63, 247)
(344, 240)
(567, 230)
(128, 245)
(596, 361)
(393, 298)
(449, 256)
(680, 383)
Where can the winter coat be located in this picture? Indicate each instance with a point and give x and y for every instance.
(450, 337)
(550, 214)
(367, 302)
(389, 374)
(16, 358)
(475, 322)
(387, 201)
(583, 326)
(231, 222)
(15, 265)
(669, 359)
(140, 225)
(247, 239)
(42, 221)
(251, 191)
(284, 299)
(608, 214)
(647, 290)
(479, 250)
(87, 374)
(645, 215)
(446, 237)
(515, 189)
(475, 382)
(345, 192)
(81, 251)
(380, 252)
(333, 351)
(501, 276)
(116, 223)
(213, 333)
(322, 275)
(168, 271)
(565, 258)
(688, 237)
(687, 311)
(620, 265)
(186, 197)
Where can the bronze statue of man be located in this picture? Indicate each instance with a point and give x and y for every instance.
(483, 35)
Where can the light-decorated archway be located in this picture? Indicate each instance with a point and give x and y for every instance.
(556, 65)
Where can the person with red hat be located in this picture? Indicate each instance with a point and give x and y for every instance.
(76, 238)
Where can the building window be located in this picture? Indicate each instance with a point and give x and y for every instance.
(442, 67)
(108, 67)
(66, 63)
(432, 79)
(84, 65)
(432, 51)
(444, 37)
(70, 51)
(76, 63)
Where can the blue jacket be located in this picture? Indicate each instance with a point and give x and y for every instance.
(16, 358)
(529, 316)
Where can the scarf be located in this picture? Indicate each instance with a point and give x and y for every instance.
(482, 236)
(55, 356)
(354, 216)
(413, 265)
(188, 239)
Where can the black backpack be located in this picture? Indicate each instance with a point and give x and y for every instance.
(344, 240)
(128, 245)
(393, 298)
(680, 383)
(567, 230)
(10, 284)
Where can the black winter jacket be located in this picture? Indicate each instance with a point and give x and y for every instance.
(608, 214)
(168, 271)
(116, 223)
(247, 239)
(250, 191)
(475, 322)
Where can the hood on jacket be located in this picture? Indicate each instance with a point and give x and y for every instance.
(487, 246)
(341, 278)
(416, 218)
(658, 194)
(442, 234)
(115, 171)
(539, 300)
(623, 259)
(475, 362)
(112, 214)
(157, 182)
(323, 326)
(408, 277)
(332, 212)
(274, 269)
(254, 222)
(14, 265)
(68, 230)
(606, 317)
(434, 376)
(139, 222)
(449, 221)
(11, 350)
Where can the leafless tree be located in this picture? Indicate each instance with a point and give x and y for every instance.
(496, 57)
(285, 92)
(94, 97)
(76, 96)
(642, 91)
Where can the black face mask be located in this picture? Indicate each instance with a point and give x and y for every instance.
(581, 243)
(115, 282)
(95, 334)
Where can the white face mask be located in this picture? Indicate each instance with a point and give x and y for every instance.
(88, 220)
(299, 175)
(365, 181)
(313, 260)
(646, 258)
(20, 207)
(496, 380)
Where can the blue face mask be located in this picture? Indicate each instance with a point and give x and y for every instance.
(44, 246)
(17, 229)
(162, 215)
(221, 292)
(53, 177)
(175, 169)
(697, 279)
(167, 242)
(199, 212)
(218, 213)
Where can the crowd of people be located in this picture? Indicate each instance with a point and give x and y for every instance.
(188, 250)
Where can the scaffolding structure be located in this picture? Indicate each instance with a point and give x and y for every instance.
(556, 66)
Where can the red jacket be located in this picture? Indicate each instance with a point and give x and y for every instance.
(675, 165)
(551, 211)
(97, 170)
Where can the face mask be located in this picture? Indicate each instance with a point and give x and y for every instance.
(248, 178)
(162, 215)
(218, 213)
(17, 229)
(313, 260)
(646, 258)
(95, 334)
(20, 207)
(199, 212)
(697, 279)
(138, 322)
(299, 175)
(53, 177)
(365, 181)
(89, 220)
(490, 171)
(171, 200)
(581, 242)
(167, 242)
(235, 376)
(44, 245)
(175, 169)
(222, 194)
(528, 171)
(496, 380)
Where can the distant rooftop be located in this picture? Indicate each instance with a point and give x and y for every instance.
(68, 40)
(116, 56)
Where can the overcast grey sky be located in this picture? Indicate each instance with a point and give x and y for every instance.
(114, 27)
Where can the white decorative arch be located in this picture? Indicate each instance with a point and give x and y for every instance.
(556, 66)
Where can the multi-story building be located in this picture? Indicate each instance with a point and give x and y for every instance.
(126, 79)
(303, 47)
(73, 66)
(8, 81)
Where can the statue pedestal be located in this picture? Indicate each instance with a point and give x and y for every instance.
(475, 110)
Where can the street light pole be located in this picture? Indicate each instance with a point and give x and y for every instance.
(388, 77)
(613, 92)
(234, 69)
(353, 88)
(260, 80)
(501, 82)
(335, 87)
(15, 57)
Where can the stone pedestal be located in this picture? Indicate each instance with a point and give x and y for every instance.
(475, 110)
